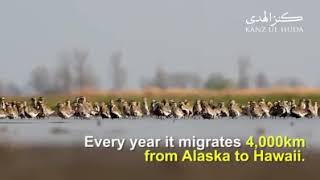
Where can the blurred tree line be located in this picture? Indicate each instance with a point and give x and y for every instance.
(217, 81)
(163, 79)
(74, 73)
(10, 89)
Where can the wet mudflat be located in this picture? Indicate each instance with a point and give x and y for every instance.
(82, 164)
(53, 149)
(56, 131)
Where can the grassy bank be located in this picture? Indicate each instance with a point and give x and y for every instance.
(240, 95)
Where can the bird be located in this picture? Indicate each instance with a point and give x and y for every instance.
(125, 108)
(104, 111)
(300, 110)
(30, 111)
(135, 109)
(224, 112)
(3, 103)
(95, 111)
(186, 108)
(34, 103)
(145, 108)
(83, 112)
(3, 113)
(44, 110)
(20, 109)
(165, 108)
(234, 109)
(114, 110)
(176, 111)
(207, 111)
(12, 112)
(279, 109)
(197, 109)
(255, 110)
(154, 108)
(311, 109)
(245, 109)
(65, 111)
(80, 107)
(265, 109)
(212, 104)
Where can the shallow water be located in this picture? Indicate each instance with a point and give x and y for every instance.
(56, 131)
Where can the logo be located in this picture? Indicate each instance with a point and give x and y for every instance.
(272, 23)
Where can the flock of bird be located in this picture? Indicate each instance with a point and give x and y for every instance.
(120, 108)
